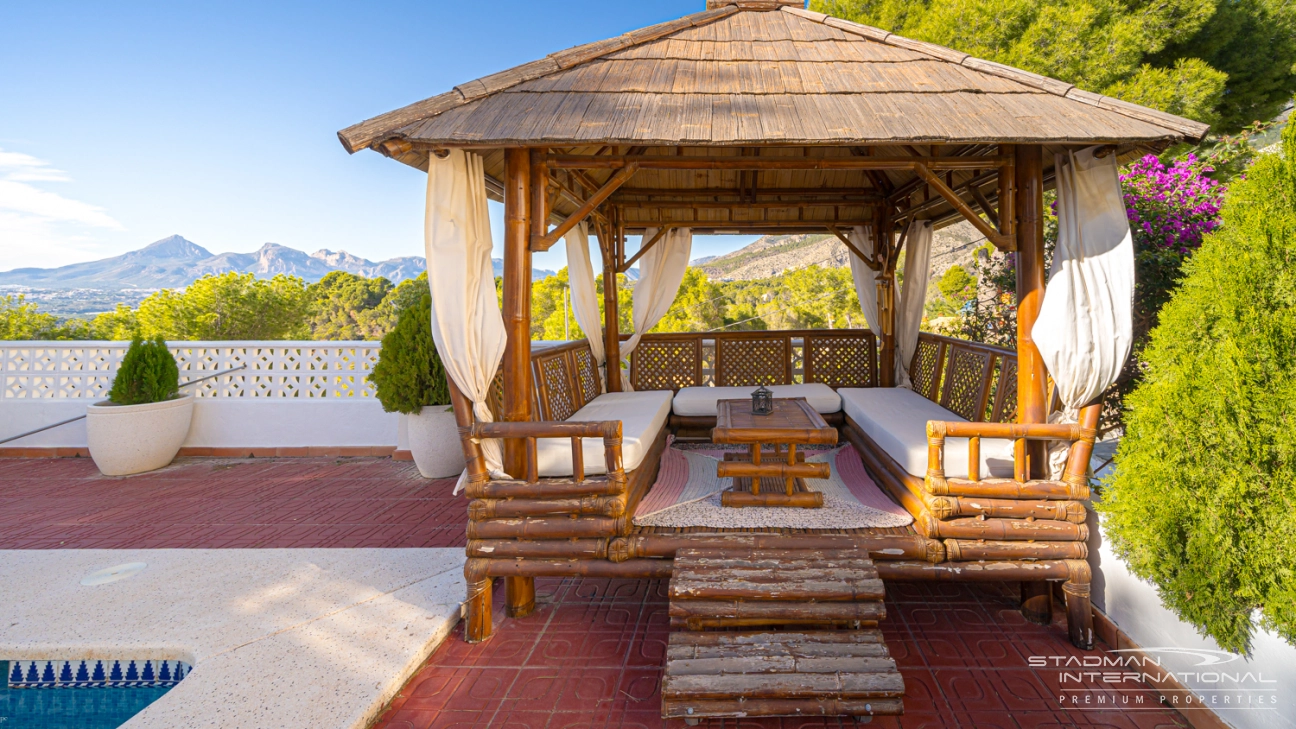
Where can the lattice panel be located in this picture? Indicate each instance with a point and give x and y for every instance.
(924, 372)
(495, 396)
(1005, 410)
(966, 378)
(841, 361)
(749, 362)
(274, 369)
(587, 376)
(556, 388)
(666, 364)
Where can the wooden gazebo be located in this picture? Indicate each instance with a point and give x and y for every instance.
(758, 116)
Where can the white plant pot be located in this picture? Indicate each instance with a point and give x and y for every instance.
(434, 442)
(126, 439)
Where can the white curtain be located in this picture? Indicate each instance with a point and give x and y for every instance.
(865, 277)
(913, 295)
(584, 294)
(467, 326)
(1085, 329)
(661, 270)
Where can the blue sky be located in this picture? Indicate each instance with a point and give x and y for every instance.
(122, 123)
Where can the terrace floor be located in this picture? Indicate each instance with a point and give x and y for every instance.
(591, 655)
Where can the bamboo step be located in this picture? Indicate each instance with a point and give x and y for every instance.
(804, 576)
(799, 672)
(820, 673)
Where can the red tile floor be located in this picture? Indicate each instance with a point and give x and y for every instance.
(591, 655)
(224, 503)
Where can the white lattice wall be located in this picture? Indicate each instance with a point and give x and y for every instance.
(274, 369)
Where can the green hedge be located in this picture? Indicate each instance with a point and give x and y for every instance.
(1203, 499)
(148, 373)
(409, 373)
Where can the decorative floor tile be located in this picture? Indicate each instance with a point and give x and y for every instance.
(590, 656)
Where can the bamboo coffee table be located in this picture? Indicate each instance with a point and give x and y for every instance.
(792, 423)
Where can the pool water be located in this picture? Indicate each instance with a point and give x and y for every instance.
(94, 707)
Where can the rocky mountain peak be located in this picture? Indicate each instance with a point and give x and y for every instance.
(173, 247)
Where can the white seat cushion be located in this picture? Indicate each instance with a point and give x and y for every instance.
(642, 416)
(896, 419)
(697, 401)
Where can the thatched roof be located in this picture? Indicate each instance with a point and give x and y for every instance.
(763, 72)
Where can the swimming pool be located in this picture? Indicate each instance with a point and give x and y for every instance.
(82, 694)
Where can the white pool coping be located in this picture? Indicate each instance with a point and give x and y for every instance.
(311, 638)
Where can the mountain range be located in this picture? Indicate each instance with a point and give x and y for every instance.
(175, 262)
(771, 255)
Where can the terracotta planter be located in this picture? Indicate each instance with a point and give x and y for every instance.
(434, 442)
(126, 439)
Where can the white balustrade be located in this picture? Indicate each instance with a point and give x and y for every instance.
(82, 369)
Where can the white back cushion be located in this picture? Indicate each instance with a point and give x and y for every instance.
(896, 419)
(642, 416)
(701, 401)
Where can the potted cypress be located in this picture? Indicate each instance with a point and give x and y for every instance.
(145, 420)
(410, 379)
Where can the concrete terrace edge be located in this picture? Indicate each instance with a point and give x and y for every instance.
(292, 637)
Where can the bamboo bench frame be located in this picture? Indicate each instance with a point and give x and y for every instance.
(971, 529)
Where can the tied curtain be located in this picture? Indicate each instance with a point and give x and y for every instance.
(1085, 327)
(661, 271)
(467, 326)
(584, 294)
(912, 296)
(865, 278)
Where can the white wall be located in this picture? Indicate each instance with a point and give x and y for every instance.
(1136, 608)
(225, 422)
(287, 394)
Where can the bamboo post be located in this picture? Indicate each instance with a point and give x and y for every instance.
(1037, 599)
(611, 336)
(1037, 602)
(1079, 608)
(520, 591)
(478, 625)
(886, 299)
(1007, 191)
(1031, 375)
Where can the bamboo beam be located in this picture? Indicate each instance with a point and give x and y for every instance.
(689, 162)
(520, 592)
(546, 241)
(835, 192)
(937, 184)
(985, 206)
(851, 247)
(661, 233)
(740, 205)
(816, 225)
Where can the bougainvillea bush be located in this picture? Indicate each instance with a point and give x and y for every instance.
(1203, 497)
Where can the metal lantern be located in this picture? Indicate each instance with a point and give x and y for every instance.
(762, 401)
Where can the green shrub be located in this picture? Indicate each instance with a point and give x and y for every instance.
(1203, 500)
(409, 373)
(148, 373)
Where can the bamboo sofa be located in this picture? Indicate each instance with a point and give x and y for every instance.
(947, 451)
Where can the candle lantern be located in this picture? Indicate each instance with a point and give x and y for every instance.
(762, 401)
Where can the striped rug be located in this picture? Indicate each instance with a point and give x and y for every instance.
(687, 494)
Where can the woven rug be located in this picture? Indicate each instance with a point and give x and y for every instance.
(687, 494)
